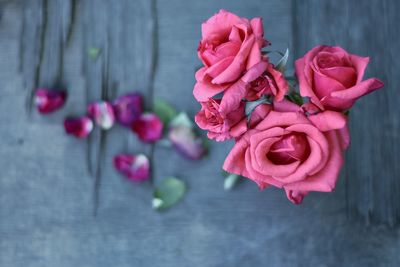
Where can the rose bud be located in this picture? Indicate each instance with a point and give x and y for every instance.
(185, 140)
(134, 167)
(333, 78)
(78, 127)
(219, 126)
(48, 101)
(102, 113)
(128, 108)
(148, 127)
(273, 82)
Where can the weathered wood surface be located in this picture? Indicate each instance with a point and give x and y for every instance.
(47, 193)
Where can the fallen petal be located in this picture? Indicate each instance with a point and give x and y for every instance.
(102, 113)
(134, 167)
(186, 142)
(128, 108)
(48, 101)
(79, 127)
(148, 127)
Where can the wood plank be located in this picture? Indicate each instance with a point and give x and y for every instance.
(372, 172)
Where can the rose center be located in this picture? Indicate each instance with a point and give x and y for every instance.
(292, 147)
(328, 61)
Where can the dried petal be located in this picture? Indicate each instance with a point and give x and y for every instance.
(186, 142)
(102, 113)
(134, 167)
(128, 108)
(79, 127)
(48, 101)
(148, 127)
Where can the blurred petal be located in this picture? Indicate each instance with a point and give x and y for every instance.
(102, 113)
(78, 127)
(128, 108)
(48, 101)
(148, 127)
(186, 142)
(134, 167)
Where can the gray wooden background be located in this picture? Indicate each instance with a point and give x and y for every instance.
(49, 183)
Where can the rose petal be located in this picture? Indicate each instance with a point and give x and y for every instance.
(328, 120)
(102, 113)
(186, 142)
(128, 108)
(148, 127)
(48, 101)
(295, 196)
(134, 167)
(78, 127)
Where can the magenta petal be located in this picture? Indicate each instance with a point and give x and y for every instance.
(186, 142)
(148, 127)
(134, 167)
(48, 101)
(102, 113)
(128, 108)
(78, 127)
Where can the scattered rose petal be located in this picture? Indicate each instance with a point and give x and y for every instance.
(102, 113)
(134, 167)
(48, 101)
(128, 108)
(79, 127)
(186, 142)
(148, 127)
(184, 139)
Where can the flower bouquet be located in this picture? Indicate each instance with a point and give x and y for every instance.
(289, 133)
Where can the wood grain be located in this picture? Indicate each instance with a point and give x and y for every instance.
(47, 193)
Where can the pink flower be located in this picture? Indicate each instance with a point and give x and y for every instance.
(128, 108)
(291, 151)
(134, 167)
(48, 101)
(79, 127)
(273, 82)
(148, 127)
(333, 78)
(230, 45)
(221, 127)
(187, 142)
(231, 52)
(102, 113)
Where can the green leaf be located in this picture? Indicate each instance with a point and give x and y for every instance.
(282, 62)
(94, 52)
(164, 111)
(251, 105)
(230, 181)
(182, 119)
(168, 193)
(295, 98)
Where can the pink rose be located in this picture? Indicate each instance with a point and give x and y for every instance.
(230, 45)
(333, 78)
(273, 82)
(291, 151)
(221, 127)
(231, 52)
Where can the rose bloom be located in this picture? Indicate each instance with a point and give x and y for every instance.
(230, 47)
(291, 151)
(221, 127)
(333, 78)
